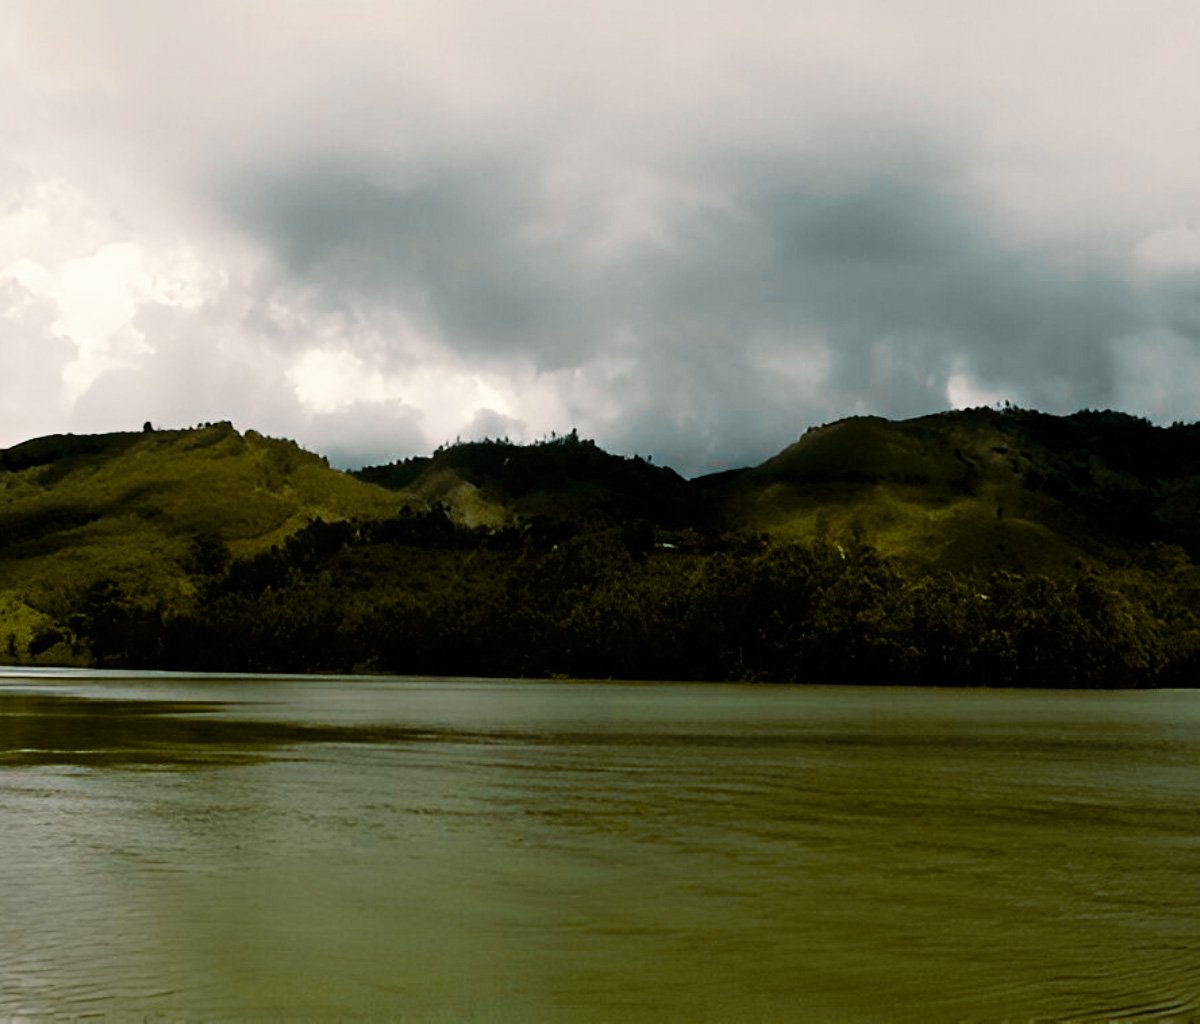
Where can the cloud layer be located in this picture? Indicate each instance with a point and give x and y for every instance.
(690, 233)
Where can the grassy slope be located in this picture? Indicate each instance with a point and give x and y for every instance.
(492, 483)
(975, 488)
(982, 488)
(127, 507)
(979, 488)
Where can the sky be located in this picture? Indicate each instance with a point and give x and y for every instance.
(688, 230)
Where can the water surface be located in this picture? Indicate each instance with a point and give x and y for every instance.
(454, 850)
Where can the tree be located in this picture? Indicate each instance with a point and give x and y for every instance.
(208, 555)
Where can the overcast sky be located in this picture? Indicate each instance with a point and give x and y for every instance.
(690, 230)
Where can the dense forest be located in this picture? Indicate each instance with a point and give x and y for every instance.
(989, 547)
(419, 595)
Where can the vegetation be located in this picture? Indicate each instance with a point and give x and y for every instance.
(1004, 548)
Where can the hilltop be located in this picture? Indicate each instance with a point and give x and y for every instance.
(137, 509)
(564, 478)
(981, 545)
(1012, 488)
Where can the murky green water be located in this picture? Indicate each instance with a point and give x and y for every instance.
(463, 850)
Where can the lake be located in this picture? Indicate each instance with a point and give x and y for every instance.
(472, 850)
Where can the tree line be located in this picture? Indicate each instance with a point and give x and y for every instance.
(417, 594)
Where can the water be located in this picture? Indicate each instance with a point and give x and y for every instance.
(464, 850)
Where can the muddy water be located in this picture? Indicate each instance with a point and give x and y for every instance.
(453, 850)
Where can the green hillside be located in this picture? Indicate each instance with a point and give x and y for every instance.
(563, 479)
(1006, 547)
(1011, 489)
(128, 508)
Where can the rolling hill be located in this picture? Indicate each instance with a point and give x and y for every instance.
(129, 507)
(566, 478)
(1012, 489)
(153, 547)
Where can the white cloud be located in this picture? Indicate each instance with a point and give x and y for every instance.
(32, 361)
(97, 297)
(1165, 271)
(1171, 250)
(325, 381)
(1159, 376)
(963, 392)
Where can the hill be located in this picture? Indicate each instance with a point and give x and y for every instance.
(1013, 489)
(1000, 546)
(563, 479)
(130, 508)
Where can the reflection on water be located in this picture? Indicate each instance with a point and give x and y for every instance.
(465, 850)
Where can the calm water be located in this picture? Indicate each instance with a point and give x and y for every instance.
(506, 851)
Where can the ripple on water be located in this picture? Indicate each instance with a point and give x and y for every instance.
(819, 857)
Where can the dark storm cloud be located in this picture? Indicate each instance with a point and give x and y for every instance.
(917, 276)
(445, 246)
(908, 285)
(1173, 297)
(905, 283)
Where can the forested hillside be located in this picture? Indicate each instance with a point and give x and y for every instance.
(1001, 547)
